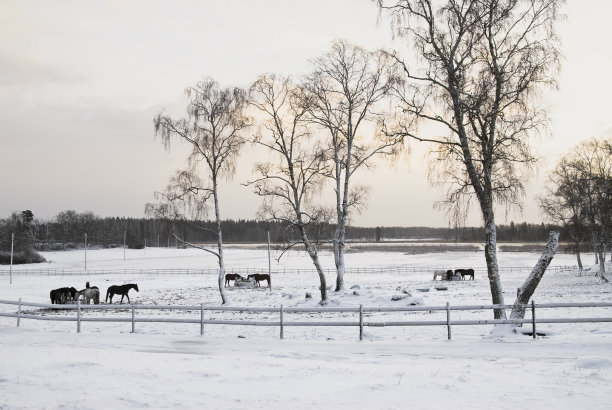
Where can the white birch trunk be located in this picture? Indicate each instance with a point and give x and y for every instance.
(221, 278)
(497, 295)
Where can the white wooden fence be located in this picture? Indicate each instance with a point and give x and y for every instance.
(246, 271)
(359, 312)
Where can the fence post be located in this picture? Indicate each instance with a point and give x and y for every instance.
(533, 318)
(78, 315)
(360, 322)
(19, 313)
(202, 319)
(448, 321)
(282, 335)
(133, 316)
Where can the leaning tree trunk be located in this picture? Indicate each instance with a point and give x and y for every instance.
(531, 283)
(314, 256)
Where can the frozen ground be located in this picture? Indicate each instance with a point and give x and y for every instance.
(46, 364)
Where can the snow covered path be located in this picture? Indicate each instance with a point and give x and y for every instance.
(92, 371)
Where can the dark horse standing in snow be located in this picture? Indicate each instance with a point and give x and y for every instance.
(231, 276)
(258, 277)
(120, 290)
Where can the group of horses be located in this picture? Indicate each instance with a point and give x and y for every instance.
(456, 274)
(256, 277)
(90, 293)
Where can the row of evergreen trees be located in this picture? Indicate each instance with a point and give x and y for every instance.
(68, 229)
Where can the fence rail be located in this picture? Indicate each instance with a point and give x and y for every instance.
(247, 271)
(281, 311)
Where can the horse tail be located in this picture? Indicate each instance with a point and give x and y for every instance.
(108, 291)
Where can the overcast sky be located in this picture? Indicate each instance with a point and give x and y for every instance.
(80, 82)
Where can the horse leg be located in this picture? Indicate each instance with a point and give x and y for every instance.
(128, 296)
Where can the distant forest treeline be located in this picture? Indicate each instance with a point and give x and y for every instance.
(68, 229)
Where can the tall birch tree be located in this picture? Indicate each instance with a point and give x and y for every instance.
(480, 66)
(214, 126)
(288, 183)
(344, 96)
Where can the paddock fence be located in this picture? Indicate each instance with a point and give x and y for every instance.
(407, 270)
(279, 320)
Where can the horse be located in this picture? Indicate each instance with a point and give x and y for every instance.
(231, 276)
(62, 295)
(259, 277)
(440, 273)
(120, 290)
(55, 296)
(465, 272)
(67, 294)
(89, 294)
(443, 274)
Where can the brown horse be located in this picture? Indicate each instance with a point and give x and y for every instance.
(259, 277)
(231, 276)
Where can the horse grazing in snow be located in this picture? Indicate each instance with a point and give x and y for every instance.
(89, 294)
(231, 276)
(62, 295)
(259, 277)
(443, 274)
(465, 272)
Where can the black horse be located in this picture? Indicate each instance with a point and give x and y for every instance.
(120, 290)
(259, 277)
(55, 296)
(62, 295)
(465, 272)
(231, 276)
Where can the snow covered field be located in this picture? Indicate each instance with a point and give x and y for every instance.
(46, 364)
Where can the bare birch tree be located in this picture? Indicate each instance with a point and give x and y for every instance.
(563, 203)
(344, 95)
(288, 185)
(580, 192)
(213, 127)
(482, 64)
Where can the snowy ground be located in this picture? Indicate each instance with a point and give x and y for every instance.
(46, 364)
